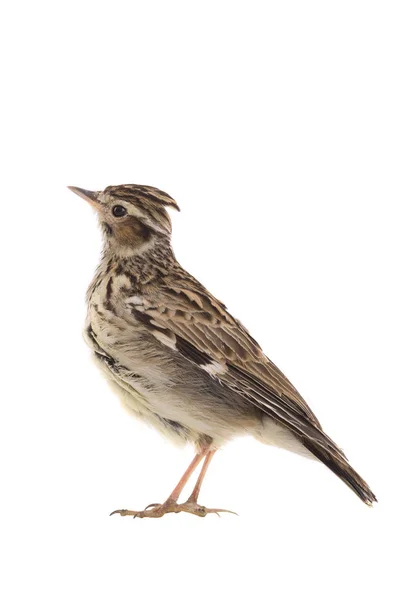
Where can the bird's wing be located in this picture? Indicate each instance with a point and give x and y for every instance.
(190, 320)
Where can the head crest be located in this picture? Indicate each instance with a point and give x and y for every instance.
(136, 192)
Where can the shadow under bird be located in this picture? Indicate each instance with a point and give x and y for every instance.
(178, 359)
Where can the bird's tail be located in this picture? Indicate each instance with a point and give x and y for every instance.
(337, 463)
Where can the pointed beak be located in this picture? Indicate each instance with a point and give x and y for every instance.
(91, 197)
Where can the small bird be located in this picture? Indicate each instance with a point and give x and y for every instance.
(178, 359)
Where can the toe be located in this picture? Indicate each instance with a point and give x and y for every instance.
(201, 511)
(123, 512)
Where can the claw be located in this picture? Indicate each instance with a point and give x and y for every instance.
(152, 505)
(123, 512)
(202, 511)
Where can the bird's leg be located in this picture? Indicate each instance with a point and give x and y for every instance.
(196, 490)
(176, 492)
(191, 505)
(170, 505)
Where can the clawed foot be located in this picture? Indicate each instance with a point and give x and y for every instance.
(155, 511)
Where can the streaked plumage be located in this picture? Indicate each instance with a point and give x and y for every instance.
(175, 354)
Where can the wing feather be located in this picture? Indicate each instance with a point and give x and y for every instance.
(207, 334)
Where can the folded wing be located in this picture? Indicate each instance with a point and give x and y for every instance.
(198, 326)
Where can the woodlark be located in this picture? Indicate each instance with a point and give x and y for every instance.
(176, 356)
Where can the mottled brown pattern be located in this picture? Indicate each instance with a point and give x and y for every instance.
(185, 363)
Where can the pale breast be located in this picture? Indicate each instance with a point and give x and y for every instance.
(112, 341)
(157, 383)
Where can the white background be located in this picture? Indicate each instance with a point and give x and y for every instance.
(275, 126)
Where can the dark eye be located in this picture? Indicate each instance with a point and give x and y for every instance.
(119, 211)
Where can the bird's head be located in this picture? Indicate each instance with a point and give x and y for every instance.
(131, 215)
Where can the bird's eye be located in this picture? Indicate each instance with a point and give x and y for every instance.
(119, 211)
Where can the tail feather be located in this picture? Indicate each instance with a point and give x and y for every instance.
(339, 465)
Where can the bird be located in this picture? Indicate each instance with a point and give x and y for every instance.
(178, 359)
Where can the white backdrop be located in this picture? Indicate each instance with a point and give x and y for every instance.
(275, 126)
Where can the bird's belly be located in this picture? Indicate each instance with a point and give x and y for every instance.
(137, 403)
(137, 377)
(169, 392)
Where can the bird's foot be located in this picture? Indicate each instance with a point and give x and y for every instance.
(152, 511)
(155, 511)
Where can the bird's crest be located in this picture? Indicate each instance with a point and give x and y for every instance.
(141, 193)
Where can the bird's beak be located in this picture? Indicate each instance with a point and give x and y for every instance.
(91, 197)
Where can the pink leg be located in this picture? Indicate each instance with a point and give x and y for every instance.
(176, 492)
(196, 490)
(170, 505)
